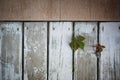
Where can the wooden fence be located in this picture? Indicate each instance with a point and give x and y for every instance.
(41, 51)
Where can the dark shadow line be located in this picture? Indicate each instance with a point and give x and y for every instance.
(47, 50)
(98, 60)
(22, 50)
(73, 26)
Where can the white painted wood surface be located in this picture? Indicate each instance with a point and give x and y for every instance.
(60, 54)
(10, 50)
(110, 57)
(35, 51)
(85, 61)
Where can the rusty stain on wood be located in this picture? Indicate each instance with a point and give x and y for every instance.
(85, 60)
(10, 51)
(35, 52)
(110, 57)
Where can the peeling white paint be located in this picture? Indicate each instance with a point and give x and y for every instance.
(85, 60)
(10, 50)
(110, 37)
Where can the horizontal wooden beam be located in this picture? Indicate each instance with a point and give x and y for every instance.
(55, 10)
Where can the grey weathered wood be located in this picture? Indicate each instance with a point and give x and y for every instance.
(60, 54)
(85, 62)
(110, 57)
(35, 51)
(10, 50)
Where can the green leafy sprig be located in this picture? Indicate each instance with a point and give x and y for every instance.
(77, 42)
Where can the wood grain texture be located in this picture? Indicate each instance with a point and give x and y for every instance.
(110, 57)
(105, 10)
(35, 52)
(85, 61)
(75, 9)
(29, 9)
(10, 51)
(60, 54)
(100, 10)
(71, 10)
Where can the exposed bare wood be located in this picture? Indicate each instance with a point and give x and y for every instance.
(105, 10)
(60, 54)
(110, 57)
(75, 9)
(29, 9)
(35, 52)
(10, 51)
(85, 61)
(100, 10)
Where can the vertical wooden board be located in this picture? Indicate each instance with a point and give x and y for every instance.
(60, 54)
(10, 50)
(110, 57)
(85, 61)
(35, 51)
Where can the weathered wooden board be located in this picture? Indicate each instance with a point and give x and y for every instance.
(29, 9)
(60, 54)
(90, 10)
(10, 51)
(102, 10)
(35, 51)
(110, 57)
(75, 9)
(105, 10)
(85, 61)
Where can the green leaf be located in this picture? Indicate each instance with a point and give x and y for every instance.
(74, 45)
(81, 45)
(80, 38)
(77, 42)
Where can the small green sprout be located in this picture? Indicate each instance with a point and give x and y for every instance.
(77, 42)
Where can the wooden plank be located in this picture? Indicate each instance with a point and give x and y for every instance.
(10, 51)
(60, 54)
(29, 10)
(85, 61)
(100, 10)
(75, 10)
(110, 57)
(35, 52)
(105, 10)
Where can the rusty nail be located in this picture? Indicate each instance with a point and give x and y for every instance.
(102, 28)
(17, 29)
(93, 29)
(2, 29)
(68, 28)
(27, 28)
(53, 28)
